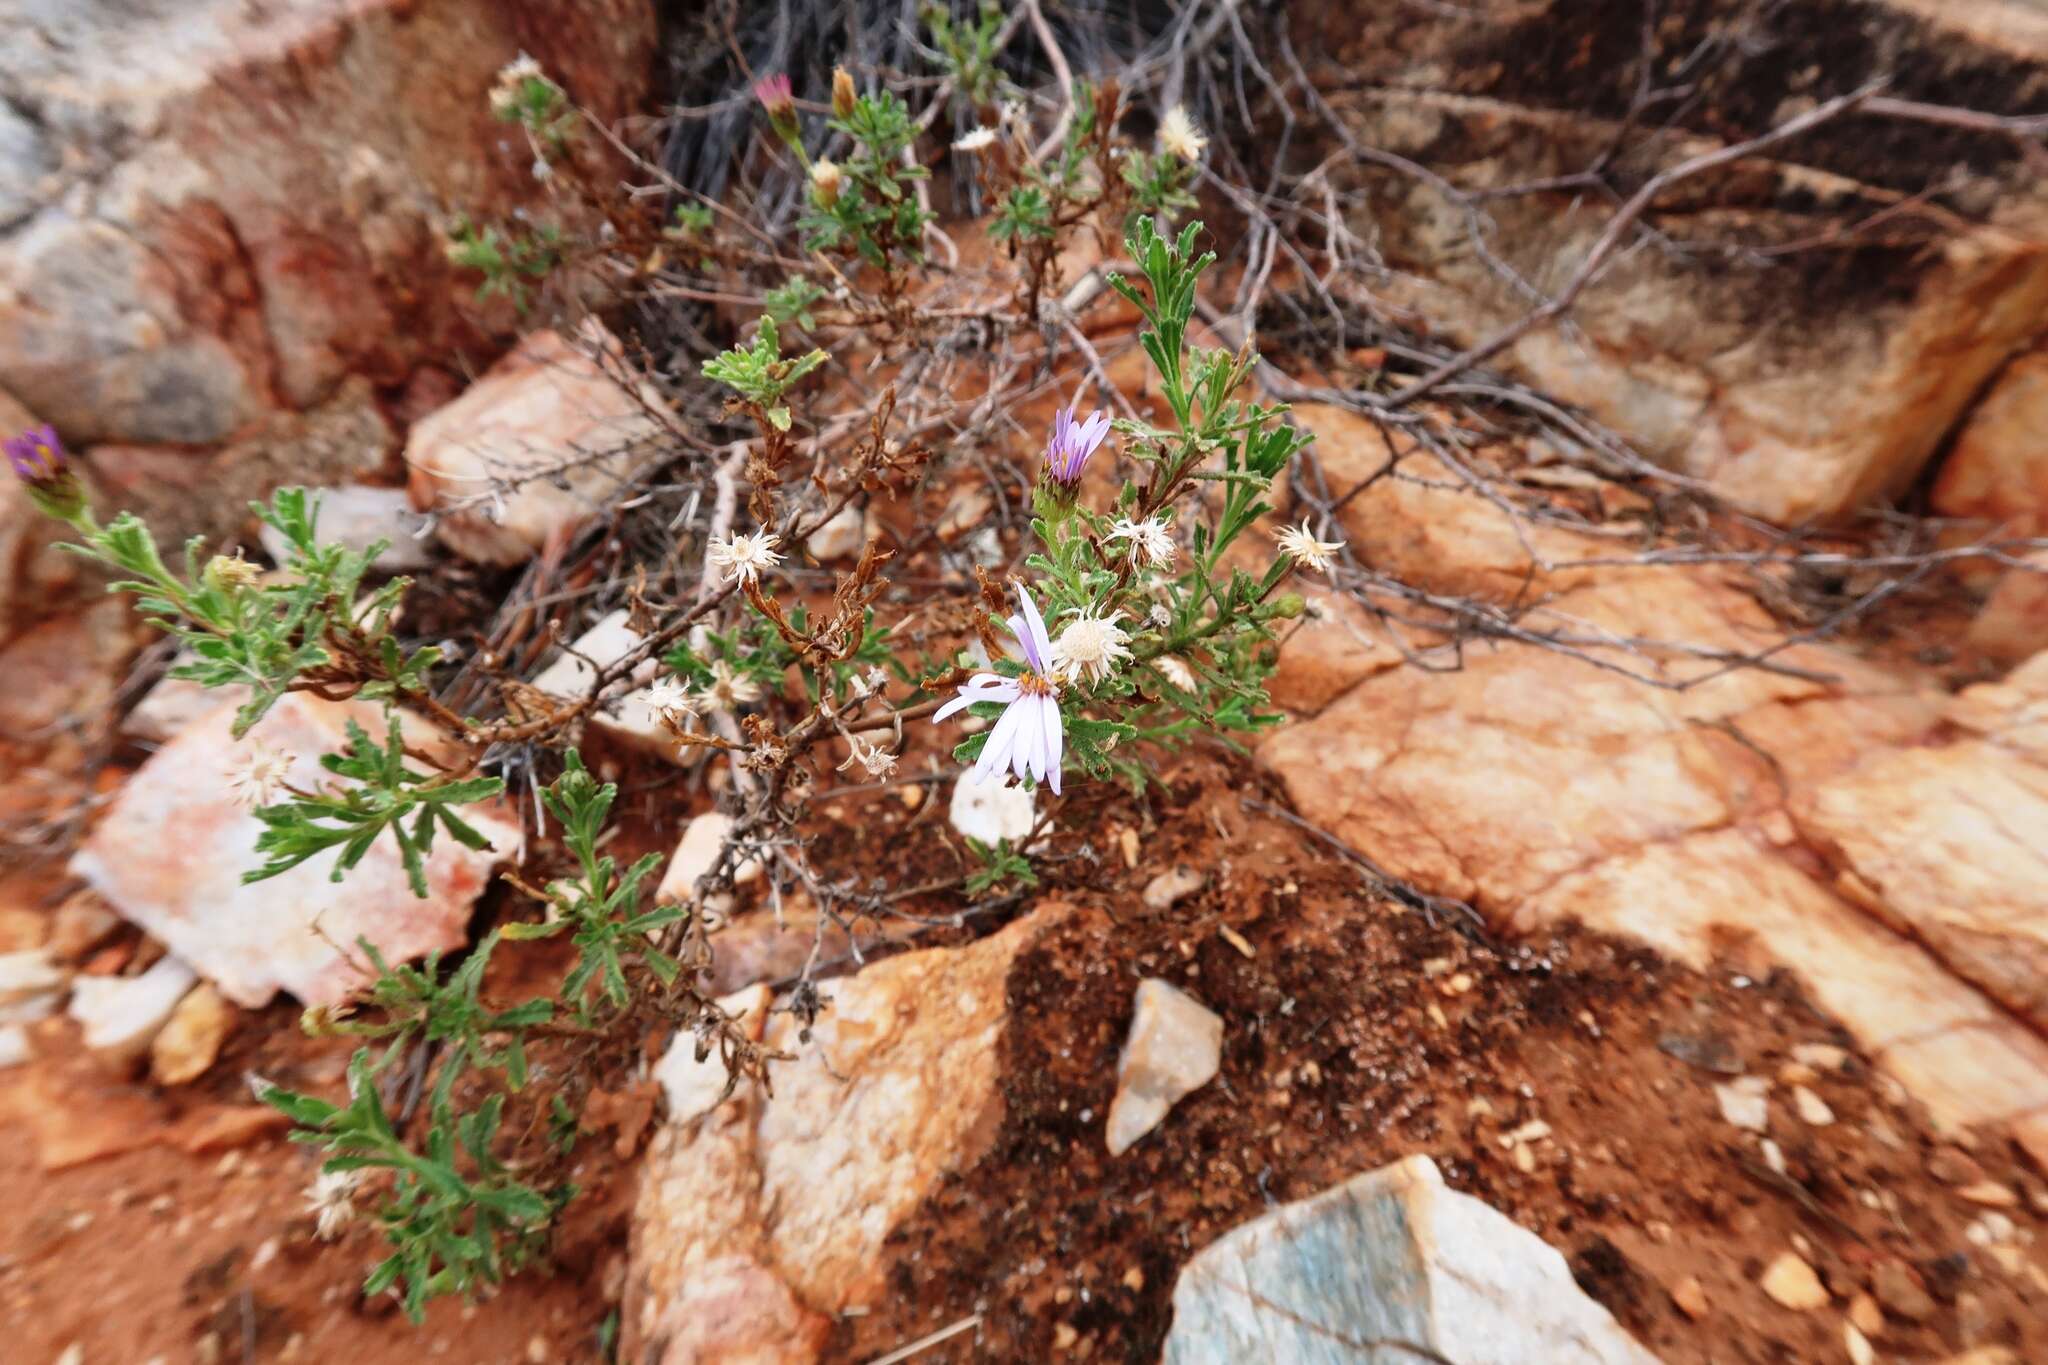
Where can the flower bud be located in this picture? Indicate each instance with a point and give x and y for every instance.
(38, 460)
(778, 100)
(826, 180)
(1287, 606)
(231, 572)
(842, 93)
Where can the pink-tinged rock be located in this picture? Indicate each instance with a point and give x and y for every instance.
(224, 209)
(2013, 623)
(171, 849)
(534, 448)
(1175, 1048)
(1996, 472)
(66, 669)
(632, 719)
(762, 1218)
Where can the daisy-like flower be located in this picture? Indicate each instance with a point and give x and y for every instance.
(37, 458)
(1066, 454)
(1091, 647)
(1301, 543)
(1030, 737)
(873, 759)
(257, 774)
(980, 140)
(1178, 135)
(667, 697)
(1151, 539)
(743, 556)
(826, 180)
(331, 1198)
(727, 690)
(1176, 671)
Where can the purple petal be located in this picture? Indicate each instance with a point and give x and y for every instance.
(1037, 646)
(1093, 430)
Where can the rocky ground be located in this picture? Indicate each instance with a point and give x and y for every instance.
(1661, 977)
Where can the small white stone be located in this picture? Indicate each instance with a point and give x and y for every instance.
(1774, 1156)
(1820, 1056)
(14, 1045)
(985, 811)
(1746, 1102)
(695, 855)
(122, 1014)
(31, 986)
(1175, 1047)
(842, 535)
(1857, 1345)
(1172, 886)
(632, 719)
(1812, 1109)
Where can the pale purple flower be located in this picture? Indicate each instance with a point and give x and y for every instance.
(776, 95)
(36, 455)
(1029, 737)
(1072, 443)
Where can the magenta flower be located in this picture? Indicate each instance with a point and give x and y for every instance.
(776, 95)
(1029, 737)
(36, 456)
(1072, 443)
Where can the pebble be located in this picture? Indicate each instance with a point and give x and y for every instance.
(1690, 1297)
(1791, 1282)
(1175, 1047)
(1820, 1056)
(1952, 1167)
(190, 1041)
(1774, 1156)
(1172, 886)
(1745, 1102)
(1993, 1229)
(1990, 1194)
(1864, 1313)
(1812, 1109)
(1858, 1345)
(1900, 1293)
(80, 925)
(1064, 1336)
(1797, 1073)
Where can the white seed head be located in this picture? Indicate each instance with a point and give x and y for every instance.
(1176, 671)
(668, 697)
(1091, 646)
(233, 571)
(1301, 543)
(1151, 539)
(980, 140)
(827, 180)
(331, 1198)
(256, 774)
(743, 557)
(1178, 135)
(873, 759)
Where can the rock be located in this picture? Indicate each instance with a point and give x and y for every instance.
(122, 1014)
(1335, 646)
(1796, 390)
(1952, 1167)
(66, 669)
(15, 1047)
(1820, 1056)
(1865, 1316)
(1389, 1256)
(533, 448)
(633, 719)
(356, 517)
(843, 535)
(1746, 1102)
(1900, 1292)
(2013, 624)
(191, 1040)
(1690, 1297)
(237, 207)
(80, 925)
(696, 854)
(32, 986)
(170, 851)
(1996, 472)
(771, 1213)
(1175, 1047)
(1539, 789)
(1791, 1282)
(1811, 1108)
(694, 1087)
(1172, 886)
(991, 812)
(1989, 1194)
(1857, 1345)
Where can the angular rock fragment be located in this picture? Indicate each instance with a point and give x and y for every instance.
(534, 448)
(989, 812)
(122, 1014)
(171, 850)
(634, 718)
(1388, 1266)
(356, 517)
(1175, 1048)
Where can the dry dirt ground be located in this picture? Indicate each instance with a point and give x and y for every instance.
(1566, 1080)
